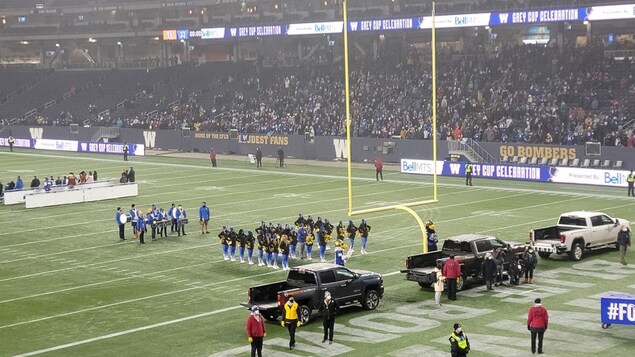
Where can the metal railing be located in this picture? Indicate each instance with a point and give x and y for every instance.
(110, 132)
(471, 148)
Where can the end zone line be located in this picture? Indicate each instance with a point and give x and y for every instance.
(121, 333)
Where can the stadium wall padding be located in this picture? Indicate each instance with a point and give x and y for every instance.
(322, 147)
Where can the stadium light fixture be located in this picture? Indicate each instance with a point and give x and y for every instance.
(92, 40)
(119, 43)
(24, 42)
(57, 45)
(586, 22)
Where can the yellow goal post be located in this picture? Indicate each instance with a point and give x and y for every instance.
(405, 206)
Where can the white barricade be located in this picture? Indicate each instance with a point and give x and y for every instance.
(81, 193)
(14, 197)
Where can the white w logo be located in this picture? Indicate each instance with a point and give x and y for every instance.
(36, 133)
(354, 25)
(150, 138)
(455, 169)
(340, 148)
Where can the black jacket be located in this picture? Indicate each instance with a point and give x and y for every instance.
(624, 238)
(489, 268)
(329, 310)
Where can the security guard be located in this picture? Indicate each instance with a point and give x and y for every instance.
(125, 151)
(290, 319)
(468, 174)
(459, 344)
(11, 141)
(631, 181)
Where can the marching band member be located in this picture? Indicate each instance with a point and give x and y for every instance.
(284, 250)
(122, 226)
(164, 228)
(431, 233)
(152, 220)
(203, 216)
(134, 215)
(181, 218)
(310, 239)
(171, 217)
(140, 227)
(241, 245)
(224, 242)
(275, 249)
(249, 243)
(261, 246)
(364, 229)
(233, 237)
(351, 230)
(321, 236)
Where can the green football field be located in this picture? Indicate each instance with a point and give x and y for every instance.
(68, 287)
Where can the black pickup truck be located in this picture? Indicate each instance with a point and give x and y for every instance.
(469, 251)
(307, 284)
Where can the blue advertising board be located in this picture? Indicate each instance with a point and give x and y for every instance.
(617, 308)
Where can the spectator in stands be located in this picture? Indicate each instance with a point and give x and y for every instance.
(19, 184)
(71, 180)
(10, 186)
(89, 177)
(95, 175)
(35, 183)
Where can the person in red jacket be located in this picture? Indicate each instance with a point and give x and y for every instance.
(379, 165)
(255, 331)
(537, 321)
(212, 157)
(451, 271)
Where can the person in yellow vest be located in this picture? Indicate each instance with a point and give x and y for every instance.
(468, 174)
(631, 181)
(11, 141)
(290, 319)
(459, 344)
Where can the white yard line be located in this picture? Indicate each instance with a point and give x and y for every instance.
(126, 332)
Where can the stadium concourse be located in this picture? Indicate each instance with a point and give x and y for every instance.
(514, 93)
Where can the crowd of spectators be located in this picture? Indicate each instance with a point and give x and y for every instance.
(525, 93)
(514, 93)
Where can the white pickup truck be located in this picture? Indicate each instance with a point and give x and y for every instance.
(576, 232)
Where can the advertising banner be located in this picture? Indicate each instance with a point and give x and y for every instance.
(253, 31)
(55, 145)
(19, 143)
(538, 16)
(494, 171)
(617, 308)
(212, 33)
(111, 148)
(315, 28)
(611, 12)
(596, 177)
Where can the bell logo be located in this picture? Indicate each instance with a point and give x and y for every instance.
(340, 148)
(36, 133)
(150, 138)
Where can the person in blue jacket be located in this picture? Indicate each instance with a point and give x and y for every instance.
(203, 216)
(161, 216)
(134, 217)
(19, 184)
(340, 259)
(121, 225)
(301, 237)
(181, 218)
(141, 227)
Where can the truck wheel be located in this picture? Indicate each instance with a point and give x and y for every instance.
(544, 255)
(304, 314)
(371, 300)
(425, 285)
(460, 283)
(576, 251)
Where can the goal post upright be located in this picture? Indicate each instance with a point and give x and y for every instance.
(403, 206)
